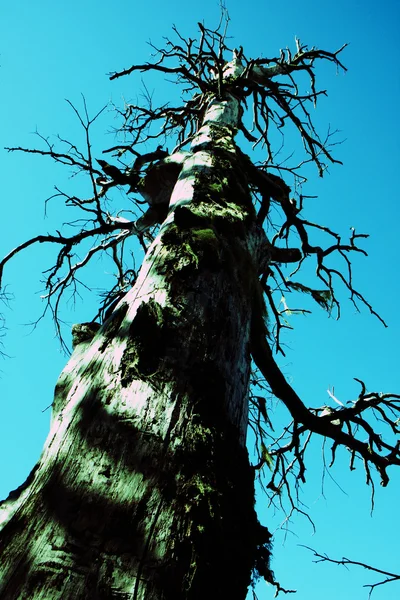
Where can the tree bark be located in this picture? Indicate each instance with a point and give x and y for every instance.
(144, 488)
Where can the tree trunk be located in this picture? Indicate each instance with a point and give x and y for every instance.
(144, 489)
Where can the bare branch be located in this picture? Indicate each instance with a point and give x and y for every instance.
(330, 424)
(345, 562)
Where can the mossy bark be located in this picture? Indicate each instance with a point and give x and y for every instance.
(144, 489)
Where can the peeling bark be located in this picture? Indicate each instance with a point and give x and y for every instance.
(144, 489)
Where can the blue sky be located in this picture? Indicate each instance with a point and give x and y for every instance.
(52, 51)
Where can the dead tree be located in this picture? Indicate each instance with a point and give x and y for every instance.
(144, 489)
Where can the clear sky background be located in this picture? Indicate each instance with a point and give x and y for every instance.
(52, 51)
